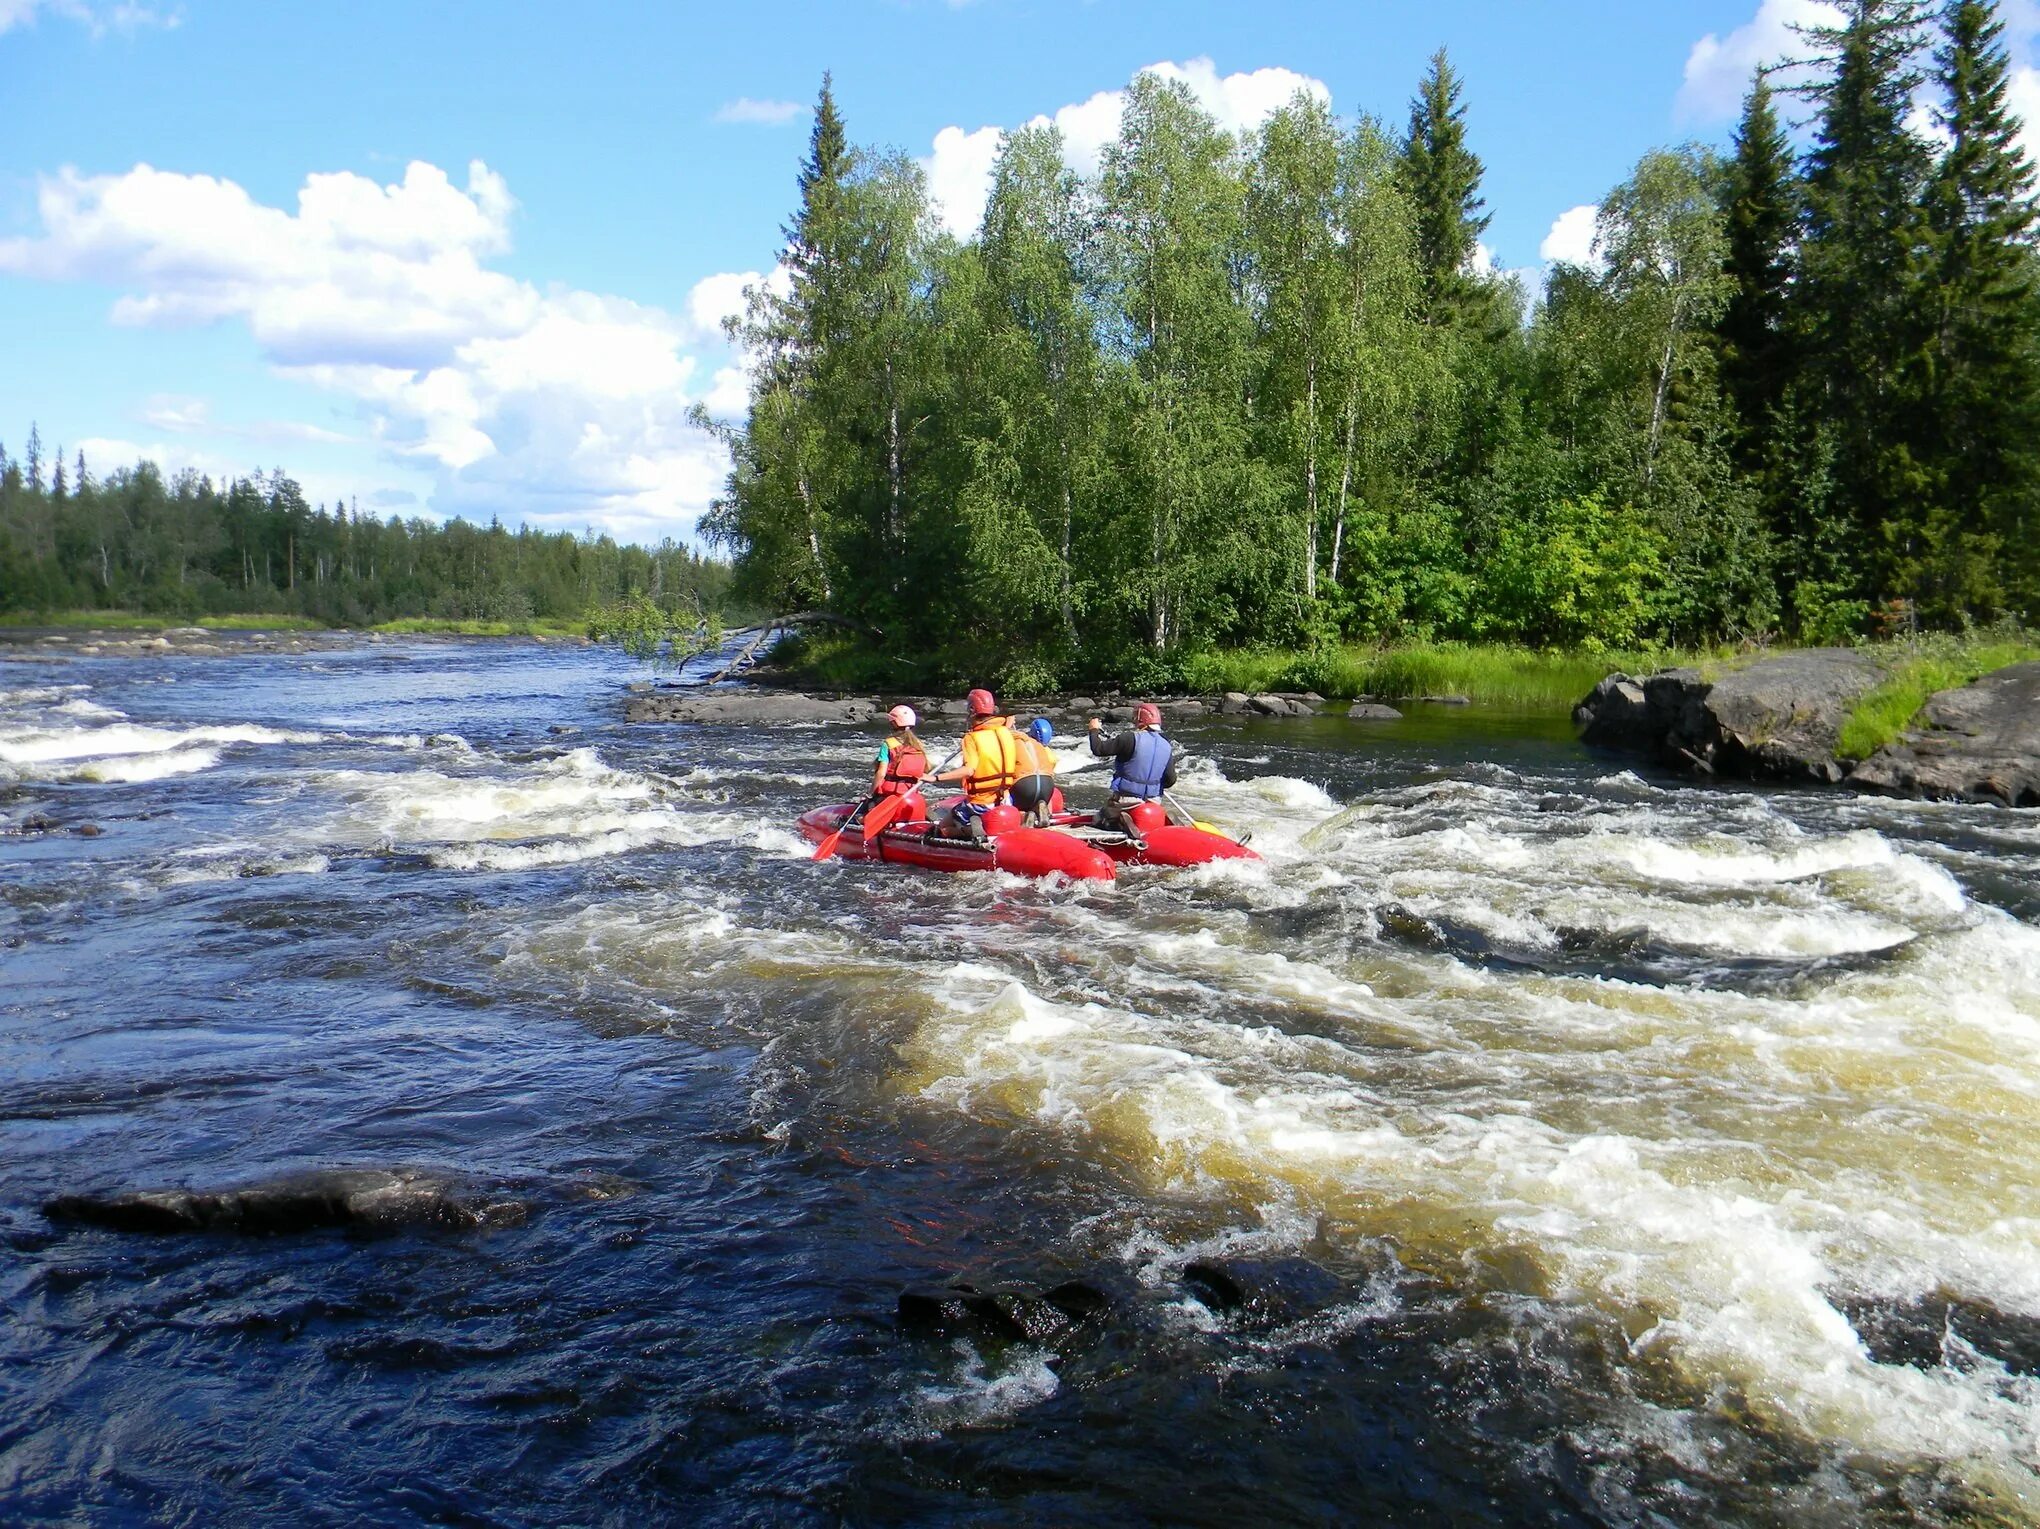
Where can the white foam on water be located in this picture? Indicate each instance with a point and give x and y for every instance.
(137, 768)
(975, 1396)
(1724, 1163)
(30, 749)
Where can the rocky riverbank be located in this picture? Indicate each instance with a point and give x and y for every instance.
(1782, 719)
(745, 705)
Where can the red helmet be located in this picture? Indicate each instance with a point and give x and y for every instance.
(982, 704)
(1147, 714)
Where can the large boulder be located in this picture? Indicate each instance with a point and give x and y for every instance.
(1778, 719)
(1978, 743)
(1782, 718)
(741, 707)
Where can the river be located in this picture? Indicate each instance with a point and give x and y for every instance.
(1660, 1155)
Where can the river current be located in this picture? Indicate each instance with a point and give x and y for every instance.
(1626, 1152)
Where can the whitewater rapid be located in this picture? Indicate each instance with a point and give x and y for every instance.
(1714, 1073)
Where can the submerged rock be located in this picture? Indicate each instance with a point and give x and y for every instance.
(1005, 1313)
(1980, 742)
(1263, 1290)
(369, 1199)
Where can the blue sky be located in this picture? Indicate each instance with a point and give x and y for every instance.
(468, 258)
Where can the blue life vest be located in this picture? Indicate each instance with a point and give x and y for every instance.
(1141, 775)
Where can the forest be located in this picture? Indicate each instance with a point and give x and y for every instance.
(1266, 390)
(186, 547)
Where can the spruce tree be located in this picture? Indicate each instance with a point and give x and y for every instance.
(1986, 374)
(1761, 203)
(1857, 300)
(1441, 177)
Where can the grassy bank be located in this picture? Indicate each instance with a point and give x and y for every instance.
(1917, 670)
(130, 621)
(1489, 673)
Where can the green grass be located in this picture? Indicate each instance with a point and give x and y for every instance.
(537, 626)
(1918, 670)
(131, 621)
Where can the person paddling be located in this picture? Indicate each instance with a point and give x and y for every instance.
(1034, 792)
(902, 760)
(1143, 766)
(991, 763)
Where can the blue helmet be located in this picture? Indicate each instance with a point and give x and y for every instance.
(1040, 730)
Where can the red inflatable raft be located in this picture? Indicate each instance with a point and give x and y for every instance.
(1072, 847)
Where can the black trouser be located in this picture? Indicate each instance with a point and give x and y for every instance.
(1031, 794)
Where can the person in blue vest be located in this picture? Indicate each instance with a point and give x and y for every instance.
(1143, 766)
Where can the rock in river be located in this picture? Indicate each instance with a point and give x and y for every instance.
(743, 707)
(368, 1199)
(1779, 719)
(1978, 743)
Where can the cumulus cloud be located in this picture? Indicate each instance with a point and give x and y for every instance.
(763, 113)
(1719, 69)
(1571, 237)
(557, 406)
(959, 164)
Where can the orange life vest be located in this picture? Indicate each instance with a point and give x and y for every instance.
(991, 763)
(904, 767)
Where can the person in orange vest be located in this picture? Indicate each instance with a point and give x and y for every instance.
(897, 769)
(991, 763)
(902, 760)
(1034, 792)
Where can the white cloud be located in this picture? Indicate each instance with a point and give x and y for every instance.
(126, 17)
(1571, 237)
(960, 176)
(2024, 90)
(960, 163)
(1719, 69)
(765, 113)
(560, 406)
(726, 295)
(188, 415)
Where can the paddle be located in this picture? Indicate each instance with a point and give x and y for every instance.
(828, 846)
(1195, 821)
(879, 819)
(876, 819)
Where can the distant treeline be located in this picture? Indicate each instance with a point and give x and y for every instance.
(1267, 390)
(186, 546)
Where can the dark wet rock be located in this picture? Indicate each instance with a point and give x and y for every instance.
(1447, 700)
(1979, 743)
(1373, 711)
(368, 1199)
(88, 830)
(1003, 1313)
(1274, 1291)
(1269, 704)
(744, 707)
(38, 823)
(562, 730)
(1779, 719)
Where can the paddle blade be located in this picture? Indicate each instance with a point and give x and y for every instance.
(880, 817)
(828, 846)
